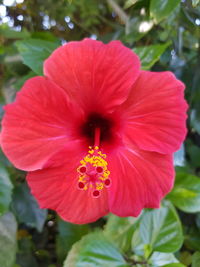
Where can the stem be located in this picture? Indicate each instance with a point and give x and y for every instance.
(121, 14)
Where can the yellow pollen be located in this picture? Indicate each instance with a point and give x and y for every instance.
(90, 176)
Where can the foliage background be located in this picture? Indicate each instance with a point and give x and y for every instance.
(166, 35)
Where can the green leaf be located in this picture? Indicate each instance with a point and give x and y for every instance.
(196, 259)
(34, 52)
(26, 208)
(161, 259)
(160, 9)
(68, 234)
(5, 190)
(8, 244)
(138, 247)
(174, 265)
(161, 229)
(7, 32)
(186, 192)
(20, 82)
(130, 3)
(94, 250)
(149, 55)
(120, 230)
(195, 2)
(195, 120)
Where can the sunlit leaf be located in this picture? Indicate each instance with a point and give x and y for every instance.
(120, 230)
(34, 52)
(161, 229)
(186, 192)
(94, 250)
(149, 55)
(161, 259)
(130, 3)
(161, 9)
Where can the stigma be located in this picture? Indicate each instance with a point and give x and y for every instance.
(93, 173)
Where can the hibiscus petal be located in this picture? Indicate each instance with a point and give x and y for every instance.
(140, 179)
(156, 112)
(56, 187)
(37, 124)
(98, 76)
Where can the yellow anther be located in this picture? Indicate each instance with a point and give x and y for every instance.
(91, 178)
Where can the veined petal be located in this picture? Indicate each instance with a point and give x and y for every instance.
(155, 112)
(140, 179)
(56, 187)
(37, 124)
(98, 76)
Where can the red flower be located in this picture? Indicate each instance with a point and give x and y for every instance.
(96, 133)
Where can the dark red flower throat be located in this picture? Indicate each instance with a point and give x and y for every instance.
(94, 121)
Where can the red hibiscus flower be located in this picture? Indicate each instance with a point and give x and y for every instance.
(96, 134)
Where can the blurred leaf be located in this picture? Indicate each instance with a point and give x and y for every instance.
(161, 229)
(20, 82)
(130, 3)
(7, 32)
(194, 153)
(195, 120)
(161, 9)
(149, 55)
(34, 52)
(5, 190)
(195, 2)
(174, 265)
(161, 259)
(120, 230)
(196, 259)
(138, 247)
(192, 239)
(94, 250)
(25, 256)
(186, 192)
(8, 244)
(185, 257)
(26, 208)
(68, 234)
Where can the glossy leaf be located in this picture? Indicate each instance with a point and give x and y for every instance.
(162, 9)
(186, 192)
(5, 190)
(161, 259)
(26, 208)
(120, 230)
(34, 52)
(149, 55)
(94, 250)
(161, 229)
(8, 243)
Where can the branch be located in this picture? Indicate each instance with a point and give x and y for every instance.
(121, 14)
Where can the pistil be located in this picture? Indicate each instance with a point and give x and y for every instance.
(93, 173)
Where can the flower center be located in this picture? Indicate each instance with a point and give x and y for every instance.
(93, 173)
(94, 121)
